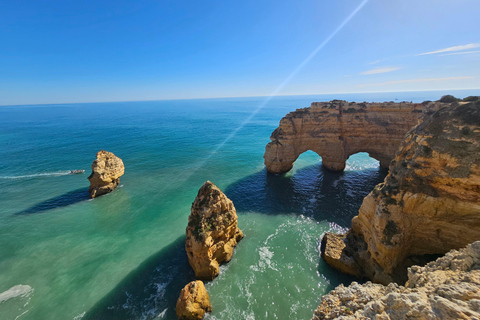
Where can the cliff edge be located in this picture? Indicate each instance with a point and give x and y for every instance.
(428, 204)
(448, 289)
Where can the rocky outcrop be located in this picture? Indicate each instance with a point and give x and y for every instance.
(335, 130)
(212, 231)
(447, 289)
(106, 172)
(193, 302)
(428, 204)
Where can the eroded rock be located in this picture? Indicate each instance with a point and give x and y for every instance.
(448, 289)
(212, 231)
(337, 129)
(193, 302)
(106, 172)
(430, 200)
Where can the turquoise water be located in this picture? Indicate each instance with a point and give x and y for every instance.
(121, 256)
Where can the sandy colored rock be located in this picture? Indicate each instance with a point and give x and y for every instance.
(193, 302)
(212, 231)
(430, 201)
(447, 289)
(106, 172)
(335, 130)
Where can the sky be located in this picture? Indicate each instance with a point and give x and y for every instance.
(69, 51)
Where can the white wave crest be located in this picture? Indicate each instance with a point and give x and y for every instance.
(20, 290)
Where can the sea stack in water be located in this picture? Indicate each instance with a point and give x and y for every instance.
(106, 172)
(193, 301)
(428, 204)
(212, 231)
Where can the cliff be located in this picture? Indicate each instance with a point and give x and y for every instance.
(106, 172)
(335, 130)
(447, 289)
(428, 204)
(212, 231)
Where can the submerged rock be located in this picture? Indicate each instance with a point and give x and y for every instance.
(429, 202)
(212, 231)
(193, 301)
(106, 172)
(448, 289)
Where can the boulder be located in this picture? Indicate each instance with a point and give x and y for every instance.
(106, 172)
(212, 231)
(193, 301)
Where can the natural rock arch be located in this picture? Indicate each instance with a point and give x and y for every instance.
(338, 129)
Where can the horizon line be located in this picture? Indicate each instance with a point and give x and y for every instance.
(226, 97)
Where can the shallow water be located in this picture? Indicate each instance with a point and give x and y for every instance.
(121, 256)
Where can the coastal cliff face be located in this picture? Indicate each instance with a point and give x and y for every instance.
(193, 302)
(212, 231)
(335, 130)
(428, 204)
(106, 172)
(448, 289)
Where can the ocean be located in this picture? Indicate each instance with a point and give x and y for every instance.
(122, 256)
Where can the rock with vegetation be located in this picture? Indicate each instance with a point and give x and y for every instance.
(428, 204)
(448, 289)
(106, 172)
(212, 231)
(193, 302)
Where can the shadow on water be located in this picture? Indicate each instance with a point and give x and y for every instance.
(149, 290)
(312, 191)
(63, 200)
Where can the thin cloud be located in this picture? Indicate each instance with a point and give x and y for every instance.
(374, 62)
(413, 81)
(381, 70)
(450, 49)
(465, 52)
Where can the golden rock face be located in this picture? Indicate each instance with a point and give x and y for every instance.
(335, 130)
(193, 302)
(430, 200)
(212, 231)
(106, 172)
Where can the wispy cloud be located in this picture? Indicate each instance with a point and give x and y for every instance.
(450, 49)
(464, 52)
(381, 70)
(413, 81)
(374, 62)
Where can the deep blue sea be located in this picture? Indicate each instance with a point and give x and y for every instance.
(121, 256)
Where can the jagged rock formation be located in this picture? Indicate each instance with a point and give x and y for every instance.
(212, 231)
(447, 289)
(335, 130)
(106, 172)
(193, 301)
(428, 204)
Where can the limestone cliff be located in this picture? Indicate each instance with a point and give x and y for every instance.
(193, 302)
(337, 129)
(212, 231)
(428, 204)
(447, 289)
(106, 172)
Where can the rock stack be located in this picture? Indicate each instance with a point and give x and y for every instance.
(106, 172)
(212, 231)
(193, 301)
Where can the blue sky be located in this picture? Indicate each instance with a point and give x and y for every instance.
(86, 51)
